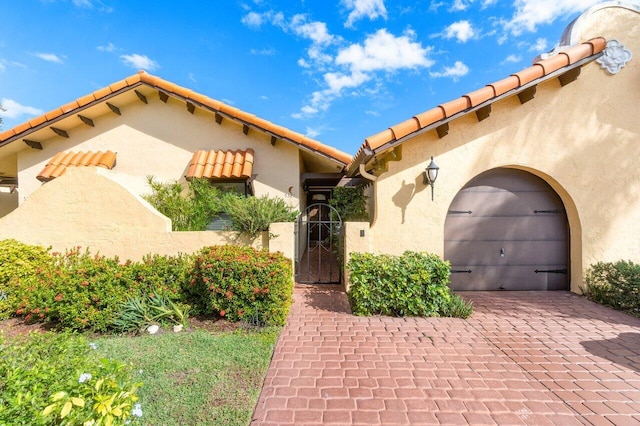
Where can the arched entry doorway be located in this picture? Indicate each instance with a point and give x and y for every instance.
(507, 229)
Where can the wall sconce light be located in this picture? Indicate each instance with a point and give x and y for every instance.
(430, 175)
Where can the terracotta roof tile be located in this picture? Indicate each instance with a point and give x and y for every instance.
(554, 63)
(455, 106)
(53, 114)
(118, 85)
(101, 93)
(57, 166)
(527, 75)
(7, 134)
(34, 122)
(85, 100)
(479, 96)
(503, 86)
(69, 107)
(221, 164)
(406, 127)
(446, 110)
(22, 127)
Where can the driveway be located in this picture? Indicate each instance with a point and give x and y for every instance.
(528, 358)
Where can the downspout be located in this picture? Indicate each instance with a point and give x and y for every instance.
(366, 174)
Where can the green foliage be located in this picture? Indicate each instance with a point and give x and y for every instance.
(51, 379)
(414, 284)
(351, 203)
(241, 283)
(80, 291)
(614, 284)
(250, 215)
(193, 208)
(139, 312)
(17, 261)
(190, 208)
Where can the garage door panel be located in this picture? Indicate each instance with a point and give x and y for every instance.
(515, 252)
(484, 278)
(486, 203)
(511, 212)
(546, 227)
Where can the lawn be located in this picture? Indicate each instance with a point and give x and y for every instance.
(196, 378)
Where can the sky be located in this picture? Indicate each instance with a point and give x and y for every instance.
(336, 71)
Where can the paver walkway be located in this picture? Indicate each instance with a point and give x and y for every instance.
(522, 358)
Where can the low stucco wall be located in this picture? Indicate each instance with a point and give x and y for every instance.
(84, 208)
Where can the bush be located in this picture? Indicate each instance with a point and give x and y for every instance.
(250, 215)
(414, 284)
(614, 284)
(241, 283)
(17, 261)
(51, 379)
(350, 202)
(80, 291)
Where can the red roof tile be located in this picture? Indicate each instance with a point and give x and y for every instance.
(569, 56)
(221, 164)
(188, 95)
(57, 166)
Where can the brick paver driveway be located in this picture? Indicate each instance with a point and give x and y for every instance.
(522, 358)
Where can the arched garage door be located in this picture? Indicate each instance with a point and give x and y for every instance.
(507, 230)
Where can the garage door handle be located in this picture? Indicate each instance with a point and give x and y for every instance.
(459, 212)
(461, 271)
(556, 211)
(552, 271)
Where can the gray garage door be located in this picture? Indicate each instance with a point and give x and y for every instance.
(507, 230)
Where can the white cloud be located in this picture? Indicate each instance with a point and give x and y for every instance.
(458, 70)
(435, 5)
(255, 20)
(487, 3)
(315, 31)
(539, 46)
(312, 133)
(13, 109)
(371, 9)
(2, 65)
(191, 76)
(49, 57)
(138, 62)
(511, 59)
(531, 13)
(461, 30)
(384, 51)
(110, 47)
(461, 5)
(82, 3)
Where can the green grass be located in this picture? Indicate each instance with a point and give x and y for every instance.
(196, 378)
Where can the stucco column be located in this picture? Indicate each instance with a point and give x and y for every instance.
(357, 239)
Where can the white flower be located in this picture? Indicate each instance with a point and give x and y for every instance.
(137, 410)
(84, 377)
(93, 346)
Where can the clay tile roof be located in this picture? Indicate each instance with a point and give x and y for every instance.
(188, 95)
(57, 166)
(389, 137)
(221, 164)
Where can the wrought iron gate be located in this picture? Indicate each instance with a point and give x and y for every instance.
(318, 245)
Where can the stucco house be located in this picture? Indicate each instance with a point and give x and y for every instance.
(538, 173)
(138, 127)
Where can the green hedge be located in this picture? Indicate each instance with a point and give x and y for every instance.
(241, 283)
(79, 291)
(614, 284)
(414, 284)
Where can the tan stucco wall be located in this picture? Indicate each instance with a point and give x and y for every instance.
(84, 208)
(583, 139)
(159, 139)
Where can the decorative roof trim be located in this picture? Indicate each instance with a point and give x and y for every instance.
(541, 71)
(57, 166)
(168, 88)
(214, 165)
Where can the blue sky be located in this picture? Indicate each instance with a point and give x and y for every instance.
(335, 70)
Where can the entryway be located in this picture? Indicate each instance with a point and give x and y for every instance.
(507, 229)
(318, 237)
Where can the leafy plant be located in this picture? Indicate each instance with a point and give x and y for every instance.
(138, 312)
(17, 261)
(414, 284)
(614, 284)
(243, 283)
(250, 215)
(350, 202)
(55, 378)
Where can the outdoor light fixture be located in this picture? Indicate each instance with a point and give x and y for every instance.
(430, 175)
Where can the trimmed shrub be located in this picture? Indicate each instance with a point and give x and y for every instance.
(51, 379)
(241, 283)
(414, 284)
(250, 215)
(614, 284)
(17, 261)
